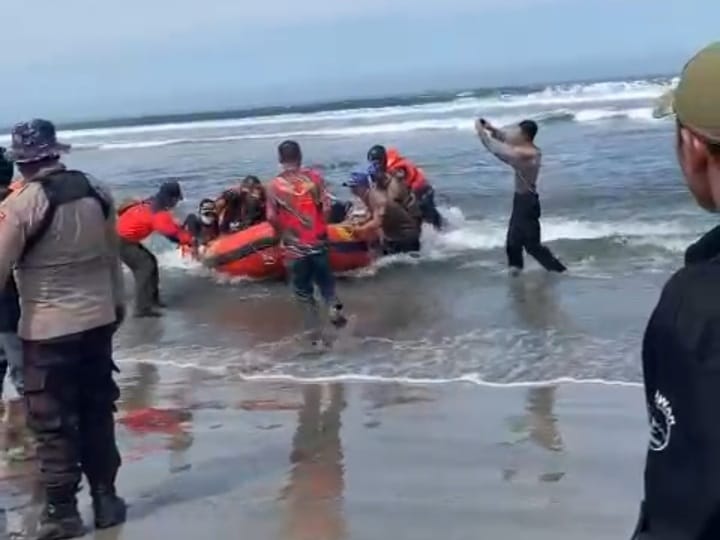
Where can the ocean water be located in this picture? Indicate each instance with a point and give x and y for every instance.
(615, 209)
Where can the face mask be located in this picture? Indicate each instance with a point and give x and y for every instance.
(207, 220)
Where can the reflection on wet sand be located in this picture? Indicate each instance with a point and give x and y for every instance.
(142, 418)
(381, 396)
(534, 302)
(314, 493)
(539, 426)
(138, 391)
(20, 497)
(543, 424)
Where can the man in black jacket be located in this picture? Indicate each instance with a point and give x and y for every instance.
(10, 345)
(681, 349)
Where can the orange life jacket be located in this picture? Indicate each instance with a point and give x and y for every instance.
(414, 175)
(299, 198)
(126, 205)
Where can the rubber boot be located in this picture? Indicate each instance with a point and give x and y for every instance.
(59, 522)
(110, 510)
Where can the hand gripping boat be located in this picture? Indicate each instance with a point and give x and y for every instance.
(255, 252)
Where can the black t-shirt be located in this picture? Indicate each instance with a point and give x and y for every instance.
(681, 370)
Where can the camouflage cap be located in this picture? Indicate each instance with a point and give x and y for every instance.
(696, 100)
(34, 141)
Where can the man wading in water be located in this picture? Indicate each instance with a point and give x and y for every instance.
(519, 151)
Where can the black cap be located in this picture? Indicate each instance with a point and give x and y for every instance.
(377, 154)
(171, 190)
(289, 152)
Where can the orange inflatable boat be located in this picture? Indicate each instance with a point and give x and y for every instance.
(255, 252)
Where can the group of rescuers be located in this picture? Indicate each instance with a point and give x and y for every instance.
(59, 239)
(393, 199)
(62, 237)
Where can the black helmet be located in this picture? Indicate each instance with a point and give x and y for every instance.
(171, 190)
(377, 154)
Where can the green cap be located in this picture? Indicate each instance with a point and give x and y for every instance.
(696, 100)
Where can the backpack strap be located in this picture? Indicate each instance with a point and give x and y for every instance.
(62, 188)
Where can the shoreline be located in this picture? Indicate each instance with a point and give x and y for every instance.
(465, 380)
(331, 461)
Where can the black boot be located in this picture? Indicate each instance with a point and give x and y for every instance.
(59, 522)
(110, 510)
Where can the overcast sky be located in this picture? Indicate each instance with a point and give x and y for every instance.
(77, 59)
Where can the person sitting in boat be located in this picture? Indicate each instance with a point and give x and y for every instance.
(242, 207)
(254, 201)
(339, 209)
(204, 225)
(229, 209)
(397, 167)
(398, 230)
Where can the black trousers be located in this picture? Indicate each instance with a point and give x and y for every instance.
(144, 267)
(391, 247)
(70, 398)
(524, 233)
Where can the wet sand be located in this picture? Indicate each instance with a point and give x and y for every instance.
(280, 460)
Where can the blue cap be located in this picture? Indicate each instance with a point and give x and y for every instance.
(358, 179)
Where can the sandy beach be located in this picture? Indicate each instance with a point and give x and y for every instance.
(360, 460)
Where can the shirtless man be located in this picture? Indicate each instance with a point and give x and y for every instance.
(399, 230)
(393, 186)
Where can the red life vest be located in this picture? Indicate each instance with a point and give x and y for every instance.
(414, 175)
(299, 197)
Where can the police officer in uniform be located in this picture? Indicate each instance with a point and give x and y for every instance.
(58, 233)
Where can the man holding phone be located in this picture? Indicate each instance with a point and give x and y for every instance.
(518, 150)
